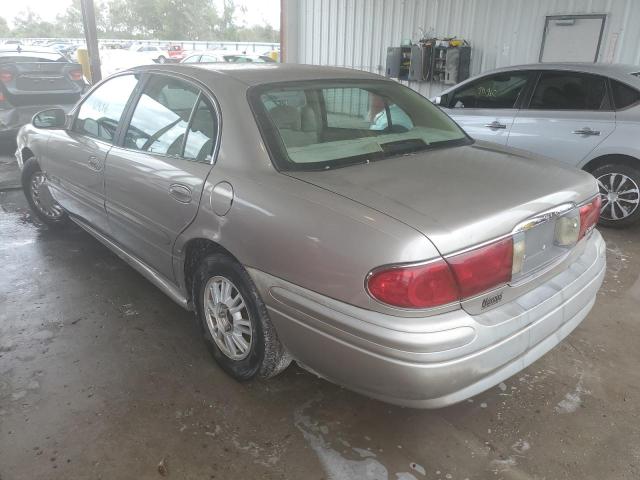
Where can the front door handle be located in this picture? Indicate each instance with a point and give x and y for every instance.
(496, 125)
(180, 192)
(586, 131)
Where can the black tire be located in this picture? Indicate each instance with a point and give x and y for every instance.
(162, 59)
(630, 201)
(42, 204)
(266, 356)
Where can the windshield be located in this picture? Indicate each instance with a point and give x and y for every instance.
(325, 124)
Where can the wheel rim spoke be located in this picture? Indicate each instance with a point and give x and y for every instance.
(227, 318)
(46, 206)
(620, 196)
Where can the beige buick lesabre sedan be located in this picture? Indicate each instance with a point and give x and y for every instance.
(328, 216)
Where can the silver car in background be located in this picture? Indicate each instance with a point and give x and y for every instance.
(583, 115)
(328, 216)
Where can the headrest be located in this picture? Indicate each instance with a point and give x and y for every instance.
(308, 122)
(284, 116)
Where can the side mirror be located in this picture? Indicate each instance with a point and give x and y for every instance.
(51, 118)
(437, 100)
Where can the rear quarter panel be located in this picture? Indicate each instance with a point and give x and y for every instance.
(306, 235)
(624, 139)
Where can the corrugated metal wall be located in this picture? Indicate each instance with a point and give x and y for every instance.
(356, 33)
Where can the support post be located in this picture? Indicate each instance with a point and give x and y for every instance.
(91, 36)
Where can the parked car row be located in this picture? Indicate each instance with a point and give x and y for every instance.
(329, 216)
(217, 56)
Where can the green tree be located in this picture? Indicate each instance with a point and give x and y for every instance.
(152, 19)
(29, 24)
(70, 22)
(5, 31)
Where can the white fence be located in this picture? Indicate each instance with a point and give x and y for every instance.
(248, 47)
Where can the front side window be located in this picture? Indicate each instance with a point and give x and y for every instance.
(100, 113)
(569, 91)
(160, 119)
(325, 124)
(501, 90)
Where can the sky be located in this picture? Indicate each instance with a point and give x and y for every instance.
(258, 11)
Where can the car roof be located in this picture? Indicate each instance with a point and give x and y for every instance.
(252, 74)
(618, 71)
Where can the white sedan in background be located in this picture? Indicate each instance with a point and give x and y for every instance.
(585, 115)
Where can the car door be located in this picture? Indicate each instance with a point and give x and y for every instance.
(74, 159)
(567, 115)
(485, 108)
(155, 176)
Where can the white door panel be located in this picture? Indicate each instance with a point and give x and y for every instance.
(567, 136)
(490, 125)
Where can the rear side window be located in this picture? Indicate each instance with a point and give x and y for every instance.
(569, 91)
(623, 95)
(202, 133)
(192, 59)
(100, 113)
(159, 122)
(494, 91)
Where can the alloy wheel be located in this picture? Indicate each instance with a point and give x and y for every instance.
(42, 198)
(227, 318)
(620, 196)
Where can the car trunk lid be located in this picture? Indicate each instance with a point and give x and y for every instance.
(458, 197)
(28, 83)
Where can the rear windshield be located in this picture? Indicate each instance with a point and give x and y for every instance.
(318, 125)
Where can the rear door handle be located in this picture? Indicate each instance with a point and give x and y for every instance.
(180, 192)
(586, 131)
(496, 125)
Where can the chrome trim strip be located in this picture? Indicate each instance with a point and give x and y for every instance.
(149, 273)
(543, 217)
(477, 246)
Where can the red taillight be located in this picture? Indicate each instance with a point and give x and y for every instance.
(420, 286)
(589, 215)
(5, 77)
(483, 268)
(75, 75)
(441, 282)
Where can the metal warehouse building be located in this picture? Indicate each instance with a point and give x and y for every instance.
(359, 33)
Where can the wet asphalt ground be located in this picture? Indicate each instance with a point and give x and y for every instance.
(102, 376)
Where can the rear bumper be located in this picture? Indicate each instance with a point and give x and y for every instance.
(13, 118)
(435, 361)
